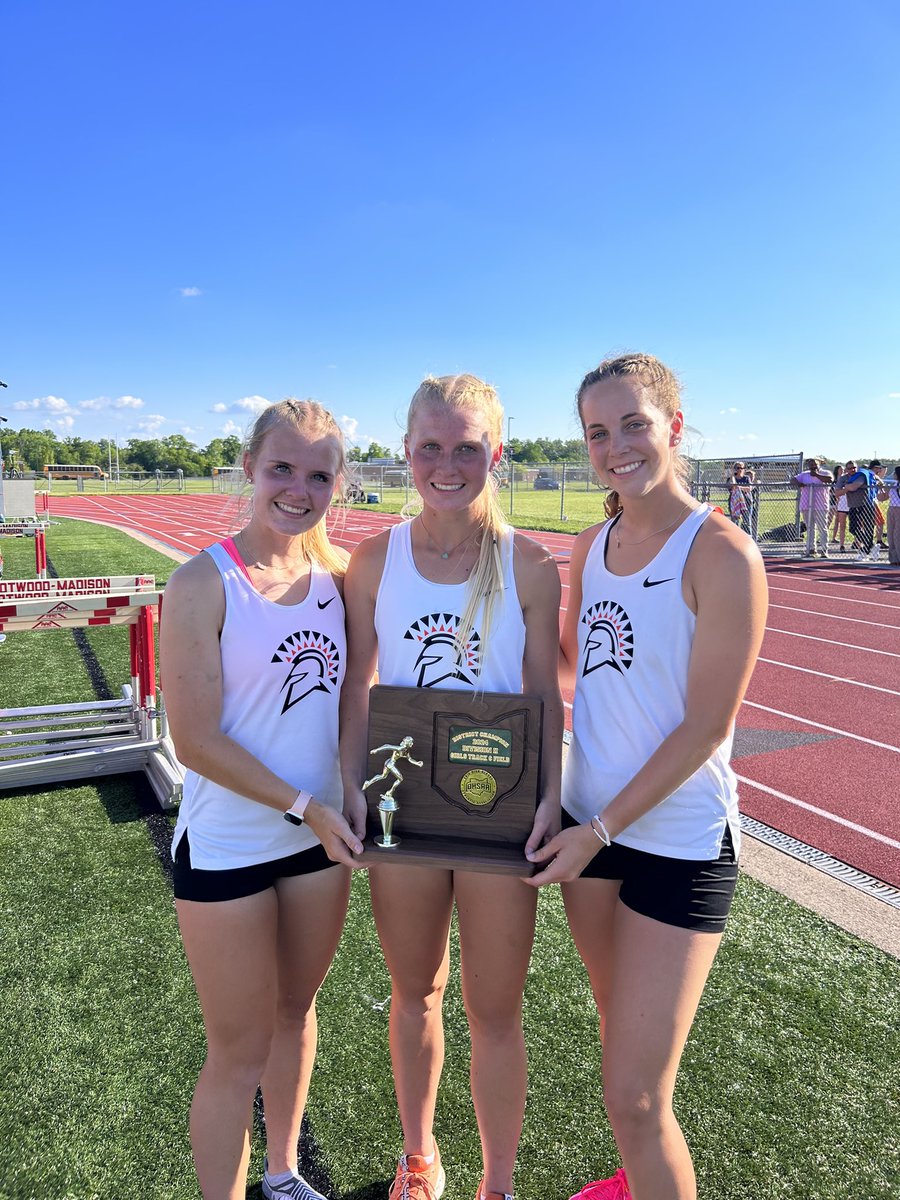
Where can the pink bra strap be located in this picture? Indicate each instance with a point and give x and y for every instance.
(232, 551)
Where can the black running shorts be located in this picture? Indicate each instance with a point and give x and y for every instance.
(210, 886)
(685, 892)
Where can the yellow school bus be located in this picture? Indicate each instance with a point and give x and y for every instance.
(73, 471)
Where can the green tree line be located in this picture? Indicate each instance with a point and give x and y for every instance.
(521, 450)
(31, 449)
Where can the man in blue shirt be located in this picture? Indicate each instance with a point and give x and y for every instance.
(861, 489)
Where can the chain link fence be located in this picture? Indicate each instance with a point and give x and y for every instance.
(756, 493)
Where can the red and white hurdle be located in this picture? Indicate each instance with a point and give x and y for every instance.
(35, 529)
(53, 742)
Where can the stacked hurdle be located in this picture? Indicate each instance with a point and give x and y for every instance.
(53, 742)
(35, 529)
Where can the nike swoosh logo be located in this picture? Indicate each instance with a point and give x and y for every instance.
(648, 582)
(326, 603)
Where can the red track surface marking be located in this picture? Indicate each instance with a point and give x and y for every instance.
(871, 605)
(820, 677)
(827, 675)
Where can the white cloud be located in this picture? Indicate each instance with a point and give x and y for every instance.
(249, 404)
(151, 423)
(723, 411)
(894, 395)
(230, 428)
(349, 426)
(43, 404)
(60, 424)
(103, 403)
(190, 291)
(748, 437)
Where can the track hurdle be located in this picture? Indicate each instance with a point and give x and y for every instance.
(54, 742)
(35, 529)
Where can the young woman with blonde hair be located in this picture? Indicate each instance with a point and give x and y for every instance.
(500, 593)
(252, 659)
(666, 611)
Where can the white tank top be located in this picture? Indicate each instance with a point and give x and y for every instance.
(416, 620)
(634, 644)
(282, 669)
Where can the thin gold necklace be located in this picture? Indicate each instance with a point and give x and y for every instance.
(641, 541)
(260, 566)
(446, 553)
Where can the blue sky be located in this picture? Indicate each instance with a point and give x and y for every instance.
(209, 206)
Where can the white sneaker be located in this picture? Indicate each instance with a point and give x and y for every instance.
(873, 553)
(860, 556)
(295, 1188)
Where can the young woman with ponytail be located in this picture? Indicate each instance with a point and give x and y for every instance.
(499, 592)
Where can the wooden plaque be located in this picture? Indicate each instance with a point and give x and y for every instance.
(471, 804)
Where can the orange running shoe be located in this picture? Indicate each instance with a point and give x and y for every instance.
(417, 1179)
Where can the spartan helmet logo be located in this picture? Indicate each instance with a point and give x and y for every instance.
(314, 661)
(441, 656)
(610, 638)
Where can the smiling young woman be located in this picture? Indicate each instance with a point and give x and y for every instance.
(252, 658)
(666, 611)
(497, 593)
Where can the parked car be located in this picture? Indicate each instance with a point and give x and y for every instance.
(544, 482)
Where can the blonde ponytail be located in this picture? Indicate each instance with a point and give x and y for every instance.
(466, 393)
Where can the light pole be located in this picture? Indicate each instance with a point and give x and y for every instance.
(509, 421)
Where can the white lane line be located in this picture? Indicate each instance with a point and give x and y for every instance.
(816, 612)
(842, 599)
(831, 642)
(835, 583)
(856, 737)
(821, 812)
(824, 675)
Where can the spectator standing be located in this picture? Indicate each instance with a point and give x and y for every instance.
(839, 510)
(740, 495)
(814, 484)
(860, 486)
(891, 490)
(877, 469)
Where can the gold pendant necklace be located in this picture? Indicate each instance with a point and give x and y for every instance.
(640, 542)
(445, 554)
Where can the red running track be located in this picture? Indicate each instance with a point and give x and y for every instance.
(816, 745)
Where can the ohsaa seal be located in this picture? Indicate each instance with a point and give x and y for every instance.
(478, 787)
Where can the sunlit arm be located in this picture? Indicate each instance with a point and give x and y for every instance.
(360, 590)
(537, 582)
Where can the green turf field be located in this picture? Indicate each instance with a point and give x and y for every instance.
(789, 1087)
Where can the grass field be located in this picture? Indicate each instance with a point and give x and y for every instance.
(789, 1087)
